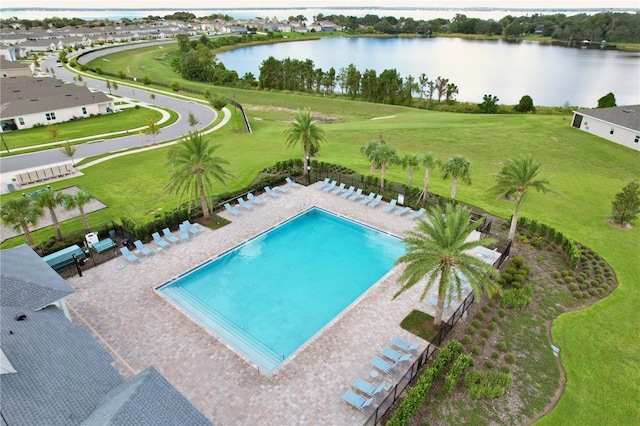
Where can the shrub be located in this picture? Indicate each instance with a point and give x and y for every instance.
(568, 279)
(471, 330)
(476, 350)
(495, 318)
(489, 364)
(519, 277)
(510, 358)
(485, 333)
(573, 287)
(517, 261)
(492, 326)
(487, 385)
(566, 273)
(479, 317)
(502, 346)
(522, 239)
(505, 369)
(507, 277)
(495, 355)
(482, 342)
(476, 324)
(466, 340)
(502, 313)
(556, 274)
(486, 309)
(517, 298)
(537, 242)
(457, 370)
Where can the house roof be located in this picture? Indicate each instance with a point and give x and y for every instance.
(27, 281)
(142, 400)
(30, 95)
(623, 116)
(8, 65)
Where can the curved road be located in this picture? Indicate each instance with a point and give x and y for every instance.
(203, 113)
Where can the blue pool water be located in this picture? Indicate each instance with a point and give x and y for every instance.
(270, 295)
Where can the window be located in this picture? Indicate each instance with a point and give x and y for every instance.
(50, 116)
(21, 121)
(84, 110)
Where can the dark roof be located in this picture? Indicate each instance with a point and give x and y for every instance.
(9, 65)
(143, 400)
(623, 116)
(27, 281)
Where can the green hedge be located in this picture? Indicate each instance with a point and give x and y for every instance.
(458, 369)
(482, 384)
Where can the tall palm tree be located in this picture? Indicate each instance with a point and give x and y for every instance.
(457, 167)
(368, 149)
(384, 156)
(410, 161)
(78, 201)
(429, 161)
(515, 178)
(194, 167)
(50, 200)
(21, 214)
(308, 133)
(437, 253)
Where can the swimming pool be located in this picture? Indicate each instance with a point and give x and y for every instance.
(271, 294)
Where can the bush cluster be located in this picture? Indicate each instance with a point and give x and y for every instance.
(570, 247)
(517, 298)
(458, 369)
(487, 385)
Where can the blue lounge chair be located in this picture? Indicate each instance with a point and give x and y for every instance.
(270, 192)
(357, 401)
(338, 189)
(357, 195)
(391, 354)
(370, 389)
(402, 211)
(281, 189)
(292, 183)
(368, 199)
(375, 201)
(192, 228)
(184, 232)
(159, 241)
(403, 344)
(144, 250)
(382, 365)
(244, 204)
(329, 187)
(391, 206)
(416, 214)
(324, 183)
(231, 210)
(129, 256)
(169, 236)
(348, 192)
(254, 200)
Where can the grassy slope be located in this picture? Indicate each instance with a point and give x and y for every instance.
(600, 350)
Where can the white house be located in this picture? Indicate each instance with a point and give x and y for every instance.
(618, 124)
(14, 69)
(33, 101)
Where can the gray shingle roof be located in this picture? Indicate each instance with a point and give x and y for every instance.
(10, 65)
(623, 116)
(27, 282)
(146, 399)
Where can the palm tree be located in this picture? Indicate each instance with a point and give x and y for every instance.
(429, 161)
(20, 214)
(194, 167)
(308, 133)
(410, 161)
(51, 199)
(515, 178)
(437, 253)
(78, 201)
(457, 167)
(382, 157)
(368, 149)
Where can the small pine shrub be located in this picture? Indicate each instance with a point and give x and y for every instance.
(476, 324)
(601, 291)
(512, 270)
(517, 261)
(502, 313)
(560, 280)
(476, 350)
(593, 291)
(517, 298)
(486, 385)
(537, 242)
(577, 294)
(479, 317)
(466, 340)
(485, 334)
(507, 277)
(492, 326)
(502, 346)
(519, 277)
(486, 309)
(489, 364)
(573, 287)
(505, 369)
(579, 279)
(566, 273)
(510, 358)
(495, 318)
(482, 342)
(471, 330)
(516, 284)
(556, 274)
(568, 279)
(495, 355)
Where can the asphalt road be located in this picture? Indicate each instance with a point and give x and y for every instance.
(204, 114)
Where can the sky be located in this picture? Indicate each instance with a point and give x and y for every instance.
(235, 4)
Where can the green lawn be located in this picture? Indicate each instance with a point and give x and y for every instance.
(599, 346)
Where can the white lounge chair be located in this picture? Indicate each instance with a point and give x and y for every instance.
(402, 211)
(324, 183)
(371, 389)
(368, 199)
(416, 214)
(338, 189)
(270, 192)
(348, 192)
(244, 204)
(281, 189)
(357, 401)
(403, 344)
(292, 183)
(375, 201)
(254, 199)
(144, 250)
(169, 236)
(192, 228)
(391, 354)
(232, 210)
(391, 206)
(129, 256)
(330, 186)
(355, 196)
(184, 232)
(159, 240)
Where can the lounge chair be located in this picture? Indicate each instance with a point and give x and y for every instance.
(169, 236)
(329, 187)
(416, 214)
(244, 204)
(391, 206)
(270, 192)
(402, 211)
(375, 201)
(281, 189)
(192, 228)
(129, 256)
(184, 232)
(338, 189)
(368, 199)
(324, 183)
(355, 196)
(232, 210)
(348, 192)
(144, 250)
(403, 344)
(292, 183)
(387, 368)
(254, 200)
(357, 401)
(159, 241)
(391, 354)
(370, 389)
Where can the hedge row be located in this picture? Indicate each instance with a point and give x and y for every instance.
(458, 369)
(410, 405)
(570, 247)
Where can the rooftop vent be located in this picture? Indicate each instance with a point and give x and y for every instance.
(21, 317)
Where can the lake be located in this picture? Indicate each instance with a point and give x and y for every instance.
(551, 75)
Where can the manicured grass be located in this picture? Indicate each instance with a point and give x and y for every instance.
(599, 345)
(129, 118)
(419, 323)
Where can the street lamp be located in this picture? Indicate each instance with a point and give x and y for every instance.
(308, 172)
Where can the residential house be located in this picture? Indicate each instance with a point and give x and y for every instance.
(14, 69)
(618, 124)
(8, 53)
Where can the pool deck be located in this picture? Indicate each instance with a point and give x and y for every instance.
(140, 328)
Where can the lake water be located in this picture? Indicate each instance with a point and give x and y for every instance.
(551, 75)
